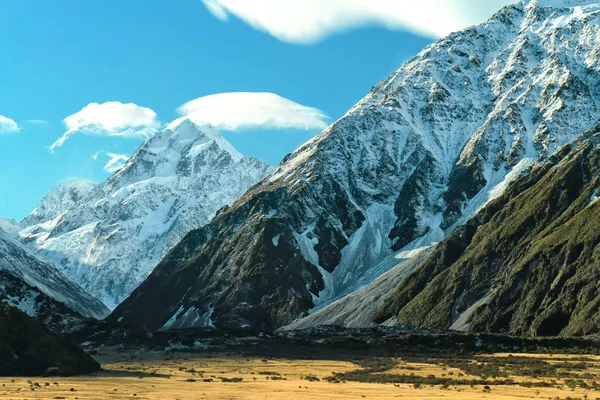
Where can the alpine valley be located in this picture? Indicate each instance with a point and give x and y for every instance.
(443, 234)
(482, 110)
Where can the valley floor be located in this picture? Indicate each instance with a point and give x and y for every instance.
(179, 375)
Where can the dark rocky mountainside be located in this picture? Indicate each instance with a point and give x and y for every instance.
(418, 156)
(527, 264)
(28, 349)
(39, 289)
(56, 316)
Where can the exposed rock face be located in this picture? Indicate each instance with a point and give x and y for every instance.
(108, 237)
(28, 349)
(41, 290)
(419, 155)
(527, 264)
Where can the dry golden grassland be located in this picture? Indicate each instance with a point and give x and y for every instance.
(159, 375)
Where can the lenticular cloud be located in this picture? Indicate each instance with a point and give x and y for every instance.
(110, 119)
(246, 110)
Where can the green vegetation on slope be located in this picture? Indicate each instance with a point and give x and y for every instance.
(528, 263)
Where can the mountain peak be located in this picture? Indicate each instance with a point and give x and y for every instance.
(175, 182)
(184, 129)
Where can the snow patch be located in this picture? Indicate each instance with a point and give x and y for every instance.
(461, 322)
(514, 173)
(595, 196)
(276, 240)
(190, 319)
(307, 249)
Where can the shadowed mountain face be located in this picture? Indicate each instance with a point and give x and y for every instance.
(419, 155)
(56, 316)
(528, 263)
(27, 349)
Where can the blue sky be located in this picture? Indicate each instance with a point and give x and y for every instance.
(58, 57)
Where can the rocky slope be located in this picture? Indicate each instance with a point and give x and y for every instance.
(419, 155)
(27, 349)
(107, 237)
(528, 263)
(41, 290)
(359, 308)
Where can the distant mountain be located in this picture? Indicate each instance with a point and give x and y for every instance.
(527, 264)
(418, 156)
(10, 227)
(41, 290)
(59, 200)
(108, 237)
(28, 349)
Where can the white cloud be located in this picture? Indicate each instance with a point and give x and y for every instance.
(244, 110)
(7, 125)
(216, 9)
(308, 21)
(115, 161)
(110, 119)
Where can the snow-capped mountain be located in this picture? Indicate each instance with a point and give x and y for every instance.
(420, 154)
(41, 290)
(60, 199)
(108, 237)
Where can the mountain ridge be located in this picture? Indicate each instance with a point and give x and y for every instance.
(41, 290)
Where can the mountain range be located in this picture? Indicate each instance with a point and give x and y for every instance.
(420, 155)
(459, 193)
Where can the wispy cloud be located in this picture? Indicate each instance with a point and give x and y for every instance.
(110, 119)
(7, 125)
(37, 122)
(115, 161)
(243, 110)
(308, 21)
